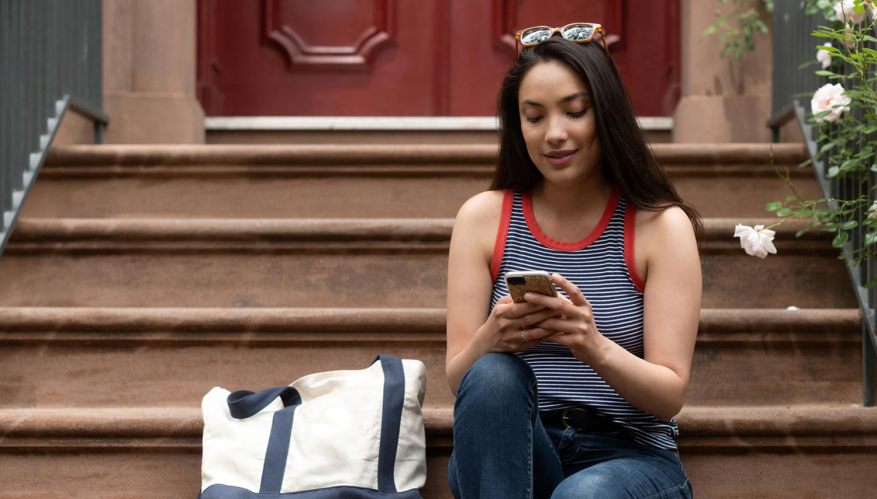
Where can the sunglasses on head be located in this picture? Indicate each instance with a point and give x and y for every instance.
(574, 32)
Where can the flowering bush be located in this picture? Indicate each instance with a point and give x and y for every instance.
(844, 110)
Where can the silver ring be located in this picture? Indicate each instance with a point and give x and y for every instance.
(523, 333)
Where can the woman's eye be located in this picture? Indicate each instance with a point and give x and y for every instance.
(533, 119)
(578, 114)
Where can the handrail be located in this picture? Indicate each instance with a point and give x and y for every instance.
(867, 298)
(100, 120)
(793, 83)
(50, 61)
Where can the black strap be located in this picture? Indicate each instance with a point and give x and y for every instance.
(243, 404)
(277, 451)
(391, 421)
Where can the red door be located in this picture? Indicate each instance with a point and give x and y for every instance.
(409, 57)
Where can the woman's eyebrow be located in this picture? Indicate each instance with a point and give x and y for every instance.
(568, 98)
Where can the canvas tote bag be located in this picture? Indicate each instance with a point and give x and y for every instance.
(337, 434)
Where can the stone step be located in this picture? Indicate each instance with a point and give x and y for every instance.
(172, 356)
(341, 181)
(772, 451)
(378, 129)
(330, 263)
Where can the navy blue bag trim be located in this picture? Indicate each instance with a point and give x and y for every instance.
(391, 420)
(343, 492)
(277, 451)
(243, 404)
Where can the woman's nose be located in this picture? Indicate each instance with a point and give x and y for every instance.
(556, 131)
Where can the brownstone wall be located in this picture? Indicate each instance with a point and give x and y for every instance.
(723, 100)
(149, 72)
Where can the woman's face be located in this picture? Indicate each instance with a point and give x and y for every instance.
(557, 121)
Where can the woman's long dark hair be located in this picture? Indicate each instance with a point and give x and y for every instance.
(626, 159)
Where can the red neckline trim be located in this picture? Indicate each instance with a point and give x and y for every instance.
(573, 245)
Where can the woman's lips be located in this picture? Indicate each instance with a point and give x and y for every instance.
(560, 158)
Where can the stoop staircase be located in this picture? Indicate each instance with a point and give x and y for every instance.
(139, 277)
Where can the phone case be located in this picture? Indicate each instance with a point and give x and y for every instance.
(532, 284)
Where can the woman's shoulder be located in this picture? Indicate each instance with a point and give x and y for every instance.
(664, 229)
(484, 207)
(670, 218)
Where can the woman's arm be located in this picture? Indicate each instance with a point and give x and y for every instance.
(665, 243)
(472, 332)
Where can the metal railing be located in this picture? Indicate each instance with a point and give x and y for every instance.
(50, 62)
(792, 90)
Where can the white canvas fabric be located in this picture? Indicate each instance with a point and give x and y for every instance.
(335, 439)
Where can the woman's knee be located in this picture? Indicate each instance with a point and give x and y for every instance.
(498, 373)
(588, 485)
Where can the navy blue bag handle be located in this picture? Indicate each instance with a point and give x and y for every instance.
(391, 421)
(243, 404)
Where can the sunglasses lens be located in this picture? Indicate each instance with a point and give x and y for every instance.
(575, 32)
(535, 36)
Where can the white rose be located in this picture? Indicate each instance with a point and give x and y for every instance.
(830, 97)
(756, 241)
(872, 211)
(824, 56)
(844, 12)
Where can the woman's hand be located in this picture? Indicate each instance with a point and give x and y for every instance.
(513, 327)
(573, 324)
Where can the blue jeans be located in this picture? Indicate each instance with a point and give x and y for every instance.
(503, 450)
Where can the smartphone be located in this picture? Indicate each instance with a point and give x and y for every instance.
(532, 281)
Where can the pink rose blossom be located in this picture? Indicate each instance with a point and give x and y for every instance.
(830, 97)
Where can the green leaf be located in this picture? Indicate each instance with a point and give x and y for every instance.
(849, 225)
(825, 72)
(870, 238)
(826, 147)
(773, 206)
(849, 164)
(833, 171)
(840, 239)
(784, 212)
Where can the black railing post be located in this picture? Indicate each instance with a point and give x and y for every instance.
(49, 50)
(869, 351)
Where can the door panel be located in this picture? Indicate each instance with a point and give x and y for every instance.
(407, 57)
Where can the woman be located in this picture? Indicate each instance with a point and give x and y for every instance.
(571, 396)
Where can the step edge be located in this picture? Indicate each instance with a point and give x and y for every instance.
(716, 229)
(722, 323)
(803, 421)
(381, 123)
(711, 153)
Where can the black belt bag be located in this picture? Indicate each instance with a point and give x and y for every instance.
(581, 419)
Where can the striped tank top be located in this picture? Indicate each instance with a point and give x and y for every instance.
(602, 267)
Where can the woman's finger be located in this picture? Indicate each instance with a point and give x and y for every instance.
(518, 310)
(558, 325)
(529, 320)
(557, 303)
(575, 294)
